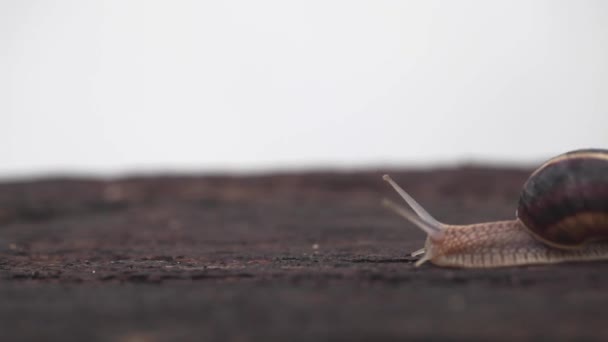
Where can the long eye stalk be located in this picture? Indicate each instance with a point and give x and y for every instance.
(420, 217)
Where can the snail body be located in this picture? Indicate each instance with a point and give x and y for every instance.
(562, 216)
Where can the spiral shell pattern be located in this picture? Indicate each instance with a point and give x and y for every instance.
(565, 201)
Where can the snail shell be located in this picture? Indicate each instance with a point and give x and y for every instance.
(564, 203)
(562, 216)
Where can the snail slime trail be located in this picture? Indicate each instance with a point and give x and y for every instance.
(562, 216)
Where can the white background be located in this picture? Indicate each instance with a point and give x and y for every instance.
(111, 87)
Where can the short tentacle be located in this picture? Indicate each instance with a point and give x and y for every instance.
(422, 260)
(419, 252)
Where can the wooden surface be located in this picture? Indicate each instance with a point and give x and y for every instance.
(282, 257)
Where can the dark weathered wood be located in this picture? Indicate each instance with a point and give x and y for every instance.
(282, 257)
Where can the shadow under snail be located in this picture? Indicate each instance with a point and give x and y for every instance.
(562, 217)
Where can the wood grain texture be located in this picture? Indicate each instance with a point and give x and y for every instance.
(282, 257)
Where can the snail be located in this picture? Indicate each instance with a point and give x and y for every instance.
(562, 216)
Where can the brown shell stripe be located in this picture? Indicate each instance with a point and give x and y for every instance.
(572, 185)
(592, 153)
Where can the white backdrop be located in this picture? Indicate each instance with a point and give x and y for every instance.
(121, 86)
